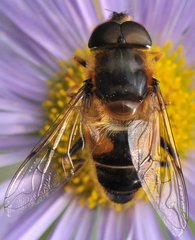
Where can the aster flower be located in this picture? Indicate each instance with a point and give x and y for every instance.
(37, 42)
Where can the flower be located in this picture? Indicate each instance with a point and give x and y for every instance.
(36, 39)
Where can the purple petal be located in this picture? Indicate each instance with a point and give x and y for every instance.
(189, 173)
(15, 29)
(71, 219)
(34, 223)
(86, 225)
(17, 118)
(48, 28)
(17, 142)
(121, 225)
(187, 235)
(8, 129)
(139, 227)
(84, 10)
(14, 157)
(18, 105)
(110, 230)
(101, 222)
(3, 188)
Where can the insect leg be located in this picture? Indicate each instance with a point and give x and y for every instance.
(80, 60)
(155, 84)
(167, 147)
(77, 162)
(78, 145)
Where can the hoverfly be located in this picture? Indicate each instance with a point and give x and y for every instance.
(120, 117)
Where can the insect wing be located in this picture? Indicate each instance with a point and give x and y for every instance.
(158, 167)
(45, 170)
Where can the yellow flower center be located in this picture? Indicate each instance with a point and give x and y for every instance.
(175, 81)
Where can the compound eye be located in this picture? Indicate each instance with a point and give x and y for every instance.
(105, 34)
(135, 34)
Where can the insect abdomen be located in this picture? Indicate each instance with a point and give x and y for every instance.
(118, 177)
